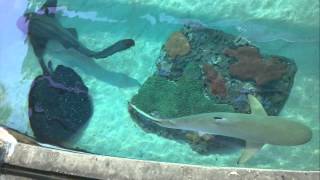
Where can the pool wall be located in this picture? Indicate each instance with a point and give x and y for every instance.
(29, 161)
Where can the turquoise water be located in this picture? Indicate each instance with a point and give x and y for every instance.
(286, 28)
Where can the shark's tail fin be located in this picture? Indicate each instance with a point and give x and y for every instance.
(116, 47)
(20, 137)
(143, 114)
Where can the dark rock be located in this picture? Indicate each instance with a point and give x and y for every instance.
(59, 105)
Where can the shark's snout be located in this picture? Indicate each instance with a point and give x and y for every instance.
(129, 42)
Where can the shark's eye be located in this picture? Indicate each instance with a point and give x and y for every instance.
(217, 118)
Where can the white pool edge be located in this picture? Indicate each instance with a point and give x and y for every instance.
(35, 158)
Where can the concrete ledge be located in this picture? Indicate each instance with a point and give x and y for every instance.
(81, 165)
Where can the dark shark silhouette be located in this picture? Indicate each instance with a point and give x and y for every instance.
(42, 27)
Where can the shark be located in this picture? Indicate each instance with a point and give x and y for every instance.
(256, 128)
(42, 26)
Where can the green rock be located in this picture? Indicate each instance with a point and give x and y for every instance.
(182, 97)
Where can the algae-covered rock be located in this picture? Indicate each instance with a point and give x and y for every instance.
(158, 95)
(200, 81)
(160, 101)
(208, 51)
(165, 98)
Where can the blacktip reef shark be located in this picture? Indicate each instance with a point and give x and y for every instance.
(42, 26)
(256, 128)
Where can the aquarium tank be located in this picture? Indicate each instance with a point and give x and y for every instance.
(211, 83)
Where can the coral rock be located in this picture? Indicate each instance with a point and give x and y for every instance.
(177, 45)
(193, 137)
(251, 66)
(214, 80)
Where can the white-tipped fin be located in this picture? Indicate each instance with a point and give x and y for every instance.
(256, 107)
(250, 150)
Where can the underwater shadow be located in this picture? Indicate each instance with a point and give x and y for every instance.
(88, 66)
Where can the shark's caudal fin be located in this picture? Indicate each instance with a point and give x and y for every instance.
(252, 147)
(141, 113)
(116, 47)
(20, 137)
(13, 136)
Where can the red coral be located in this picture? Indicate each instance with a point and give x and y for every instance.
(214, 80)
(251, 66)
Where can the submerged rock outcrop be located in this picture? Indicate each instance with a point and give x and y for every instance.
(216, 74)
(59, 105)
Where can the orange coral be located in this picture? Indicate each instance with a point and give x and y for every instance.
(250, 65)
(177, 45)
(214, 80)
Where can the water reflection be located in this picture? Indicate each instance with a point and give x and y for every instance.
(88, 66)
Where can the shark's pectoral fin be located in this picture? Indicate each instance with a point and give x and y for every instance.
(66, 45)
(249, 151)
(255, 106)
(73, 31)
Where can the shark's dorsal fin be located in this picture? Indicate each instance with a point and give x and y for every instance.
(48, 7)
(255, 106)
(249, 151)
